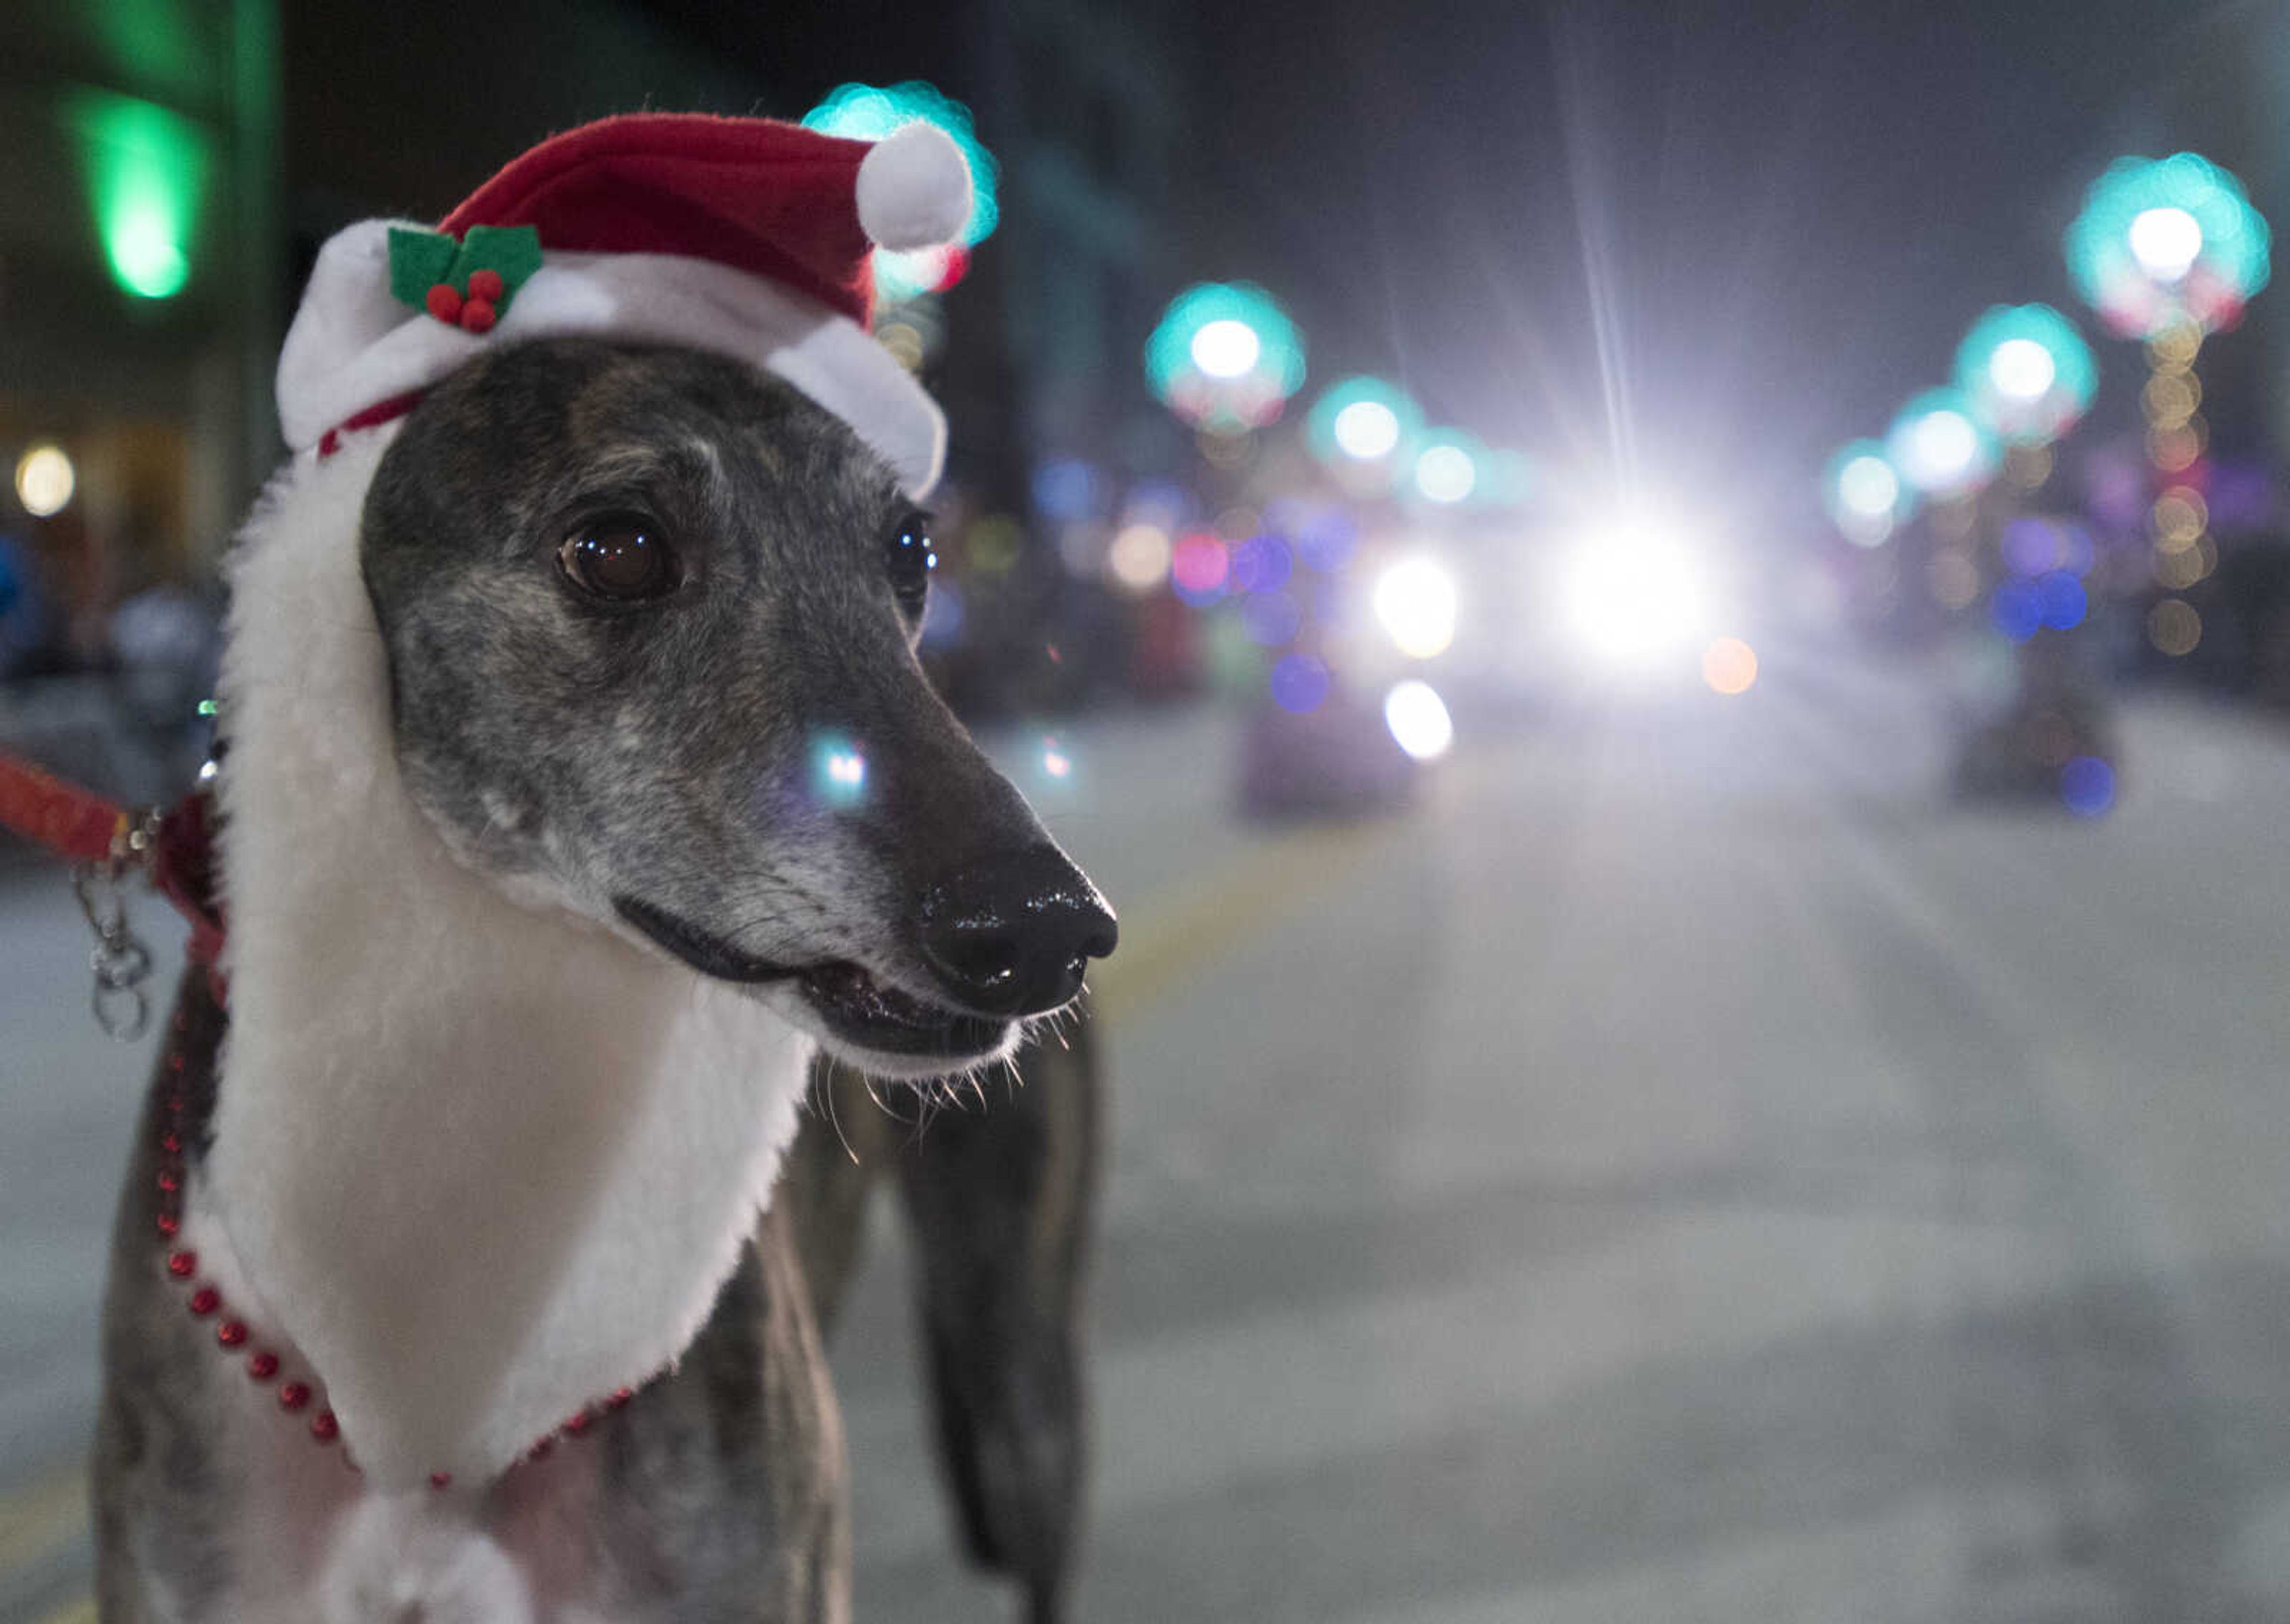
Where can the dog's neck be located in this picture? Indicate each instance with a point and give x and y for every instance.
(484, 1162)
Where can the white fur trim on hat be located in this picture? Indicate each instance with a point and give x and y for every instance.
(914, 189)
(352, 345)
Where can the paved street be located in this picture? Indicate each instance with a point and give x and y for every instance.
(1685, 1170)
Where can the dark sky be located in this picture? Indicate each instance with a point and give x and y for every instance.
(1773, 221)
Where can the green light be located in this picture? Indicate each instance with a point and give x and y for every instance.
(868, 113)
(2166, 241)
(1865, 492)
(1225, 357)
(145, 170)
(2028, 373)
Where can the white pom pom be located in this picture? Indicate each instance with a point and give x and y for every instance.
(914, 189)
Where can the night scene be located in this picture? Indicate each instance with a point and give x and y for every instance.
(1119, 814)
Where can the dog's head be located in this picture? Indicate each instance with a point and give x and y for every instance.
(650, 616)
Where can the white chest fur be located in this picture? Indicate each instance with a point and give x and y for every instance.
(483, 1163)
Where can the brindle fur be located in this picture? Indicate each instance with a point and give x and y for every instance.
(557, 748)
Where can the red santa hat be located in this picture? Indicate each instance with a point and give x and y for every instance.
(745, 236)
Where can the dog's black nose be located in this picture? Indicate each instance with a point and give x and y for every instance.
(1011, 935)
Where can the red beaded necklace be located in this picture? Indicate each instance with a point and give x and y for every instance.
(297, 1392)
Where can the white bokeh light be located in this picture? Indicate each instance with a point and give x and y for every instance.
(1942, 448)
(44, 481)
(1139, 557)
(2023, 369)
(1415, 601)
(1418, 719)
(1366, 430)
(1868, 486)
(2166, 242)
(1227, 349)
(1445, 474)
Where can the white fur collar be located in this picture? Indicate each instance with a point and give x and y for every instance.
(485, 1163)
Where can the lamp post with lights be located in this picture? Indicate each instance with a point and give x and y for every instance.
(2168, 252)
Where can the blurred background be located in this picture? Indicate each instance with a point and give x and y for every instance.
(1670, 624)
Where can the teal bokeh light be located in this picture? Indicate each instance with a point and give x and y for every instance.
(1939, 447)
(1865, 494)
(1362, 420)
(1225, 357)
(2164, 241)
(2028, 373)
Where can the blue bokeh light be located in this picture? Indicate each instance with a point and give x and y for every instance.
(1299, 683)
(2018, 611)
(1262, 563)
(2061, 599)
(2087, 786)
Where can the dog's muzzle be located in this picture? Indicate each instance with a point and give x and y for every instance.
(1013, 934)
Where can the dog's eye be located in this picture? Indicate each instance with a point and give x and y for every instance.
(911, 561)
(619, 555)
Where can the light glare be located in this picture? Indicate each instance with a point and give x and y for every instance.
(1415, 601)
(1634, 599)
(1418, 719)
(1868, 486)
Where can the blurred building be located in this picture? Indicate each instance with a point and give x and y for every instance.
(178, 163)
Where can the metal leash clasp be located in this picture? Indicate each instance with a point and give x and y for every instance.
(122, 964)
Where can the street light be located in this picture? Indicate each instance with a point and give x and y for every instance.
(1225, 357)
(2027, 371)
(1938, 446)
(1865, 494)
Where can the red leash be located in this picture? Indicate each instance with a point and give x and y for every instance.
(104, 843)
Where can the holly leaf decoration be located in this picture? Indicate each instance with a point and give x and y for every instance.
(419, 261)
(511, 253)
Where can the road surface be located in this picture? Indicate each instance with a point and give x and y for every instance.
(1685, 1170)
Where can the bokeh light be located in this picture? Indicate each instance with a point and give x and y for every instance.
(1271, 619)
(1447, 467)
(1937, 445)
(1729, 666)
(1225, 357)
(146, 171)
(2164, 242)
(1198, 568)
(1299, 683)
(1261, 564)
(2087, 786)
(1415, 601)
(1360, 420)
(1864, 493)
(2017, 610)
(1418, 719)
(2027, 373)
(1139, 558)
(2174, 626)
(45, 480)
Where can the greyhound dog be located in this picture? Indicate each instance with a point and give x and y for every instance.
(639, 624)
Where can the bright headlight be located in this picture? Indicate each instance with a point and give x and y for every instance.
(1415, 601)
(1635, 598)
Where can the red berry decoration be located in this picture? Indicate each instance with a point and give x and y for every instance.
(294, 1395)
(263, 1366)
(324, 1428)
(441, 1480)
(477, 315)
(231, 1333)
(443, 302)
(206, 1300)
(183, 1265)
(485, 285)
